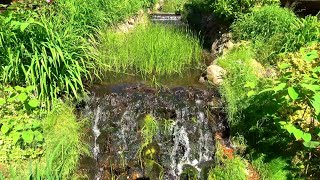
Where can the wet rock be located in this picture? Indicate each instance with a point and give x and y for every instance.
(215, 74)
(222, 43)
(202, 79)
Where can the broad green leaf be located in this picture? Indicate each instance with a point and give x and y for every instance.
(9, 89)
(284, 66)
(250, 85)
(38, 136)
(22, 97)
(316, 103)
(251, 93)
(311, 144)
(27, 136)
(311, 87)
(36, 124)
(19, 88)
(2, 101)
(30, 88)
(280, 87)
(298, 134)
(15, 137)
(34, 103)
(306, 137)
(310, 56)
(317, 131)
(292, 93)
(5, 128)
(23, 26)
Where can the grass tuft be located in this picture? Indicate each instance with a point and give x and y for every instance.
(147, 50)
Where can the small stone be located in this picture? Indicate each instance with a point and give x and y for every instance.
(215, 74)
(202, 80)
(131, 21)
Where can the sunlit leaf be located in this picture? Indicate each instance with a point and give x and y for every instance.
(280, 87)
(2, 101)
(15, 137)
(284, 66)
(311, 144)
(34, 103)
(310, 56)
(22, 97)
(5, 128)
(251, 93)
(306, 137)
(27, 136)
(292, 93)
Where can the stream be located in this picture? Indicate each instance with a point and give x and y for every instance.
(143, 132)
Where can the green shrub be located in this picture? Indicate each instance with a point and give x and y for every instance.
(34, 52)
(60, 148)
(174, 5)
(274, 30)
(21, 134)
(154, 49)
(231, 9)
(238, 64)
(272, 169)
(262, 23)
(63, 133)
(226, 167)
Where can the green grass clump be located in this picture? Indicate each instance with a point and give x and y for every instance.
(154, 49)
(174, 5)
(227, 168)
(238, 64)
(62, 149)
(273, 169)
(64, 146)
(274, 30)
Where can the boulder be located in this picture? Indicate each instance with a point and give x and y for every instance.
(215, 74)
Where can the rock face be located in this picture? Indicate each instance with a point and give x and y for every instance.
(215, 74)
(221, 44)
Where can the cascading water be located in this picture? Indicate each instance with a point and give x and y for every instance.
(188, 121)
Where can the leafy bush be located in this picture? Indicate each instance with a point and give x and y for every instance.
(21, 134)
(33, 52)
(59, 150)
(231, 9)
(296, 94)
(231, 168)
(271, 169)
(63, 133)
(262, 23)
(238, 64)
(274, 30)
(174, 5)
(154, 49)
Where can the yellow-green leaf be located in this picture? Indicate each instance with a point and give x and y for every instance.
(292, 93)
